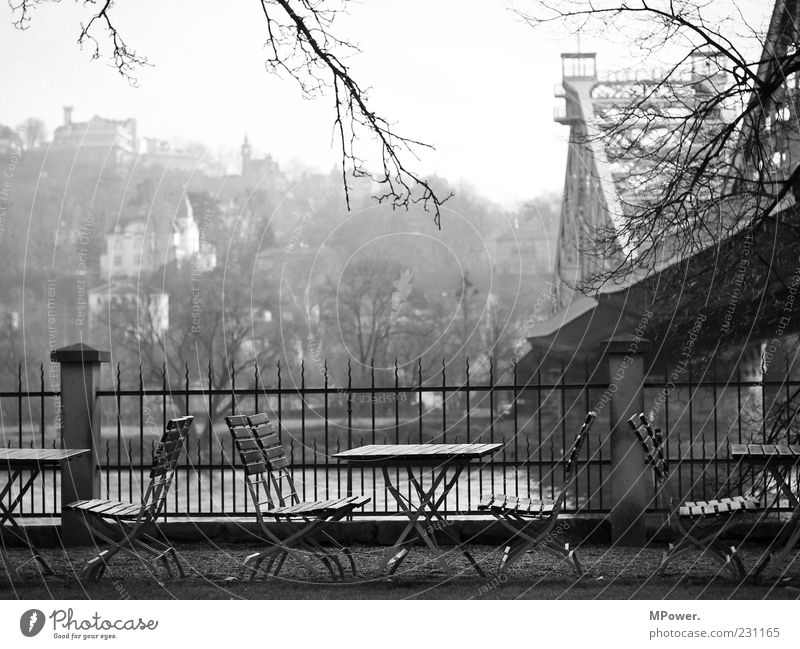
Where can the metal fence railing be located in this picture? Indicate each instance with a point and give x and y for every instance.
(702, 415)
(534, 420)
(29, 418)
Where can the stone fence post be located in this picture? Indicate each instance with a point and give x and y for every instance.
(79, 428)
(629, 490)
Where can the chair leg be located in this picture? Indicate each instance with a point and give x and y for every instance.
(253, 562)
(94, 568)
(394, 563)
(673, 551)
(167, 549)
(247, 566)
(729, 558)
(347, 553)
(129, 543)
(666, 554)
(741, 570)
(344, 550)
(511, 554)
(522, 542)
(567, 554)
(504, 559)
(161, 554)
(281, 558)
(38, 558)
(572, 559)
(519, 544)
(766, 564)
(709, 543)
(178, 563)
(328, 558)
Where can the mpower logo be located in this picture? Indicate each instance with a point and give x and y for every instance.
(31, 622)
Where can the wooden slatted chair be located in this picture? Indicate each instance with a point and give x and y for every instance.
(513, 511)
(132, 528)
(274, 496)
(698, 523)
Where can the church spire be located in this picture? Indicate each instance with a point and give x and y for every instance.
(246, 155)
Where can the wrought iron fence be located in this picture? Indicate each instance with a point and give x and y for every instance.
(710, 409)
(29, 418)
(535, 421)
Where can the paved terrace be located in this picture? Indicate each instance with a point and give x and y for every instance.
(213, 571)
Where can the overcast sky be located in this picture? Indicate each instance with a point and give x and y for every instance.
(464, 75)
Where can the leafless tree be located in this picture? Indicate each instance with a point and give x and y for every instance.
(375, 314)
(219, 331)
(704, 149)
(304, 46)
(358, 312)
(33, 133)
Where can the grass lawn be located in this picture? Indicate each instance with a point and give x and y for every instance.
(213, 573)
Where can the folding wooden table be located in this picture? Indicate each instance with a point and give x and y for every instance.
(778, 460)
(428, 504)
(15, 462)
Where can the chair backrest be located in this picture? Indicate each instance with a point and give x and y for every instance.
(572, 456)
(264, 459)
(653, 445)
(165, 459)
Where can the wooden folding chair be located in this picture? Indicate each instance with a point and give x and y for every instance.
(132, 527)
(513, 511)
(274, 496)
(698, 523)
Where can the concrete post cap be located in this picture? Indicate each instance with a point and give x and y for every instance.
(79, 353)
(626, 344)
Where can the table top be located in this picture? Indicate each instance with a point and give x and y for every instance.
(416, 454)
(766, 453)
(17, 457)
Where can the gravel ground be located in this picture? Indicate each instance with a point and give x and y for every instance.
(213, 571)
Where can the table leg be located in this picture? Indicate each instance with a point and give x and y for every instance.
(434, 513)
(428, 501)
(397, 553)
(783, 543)
(429, 508)
(6, 515)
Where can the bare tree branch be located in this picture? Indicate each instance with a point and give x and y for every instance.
(302, 45)
(699, 151)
